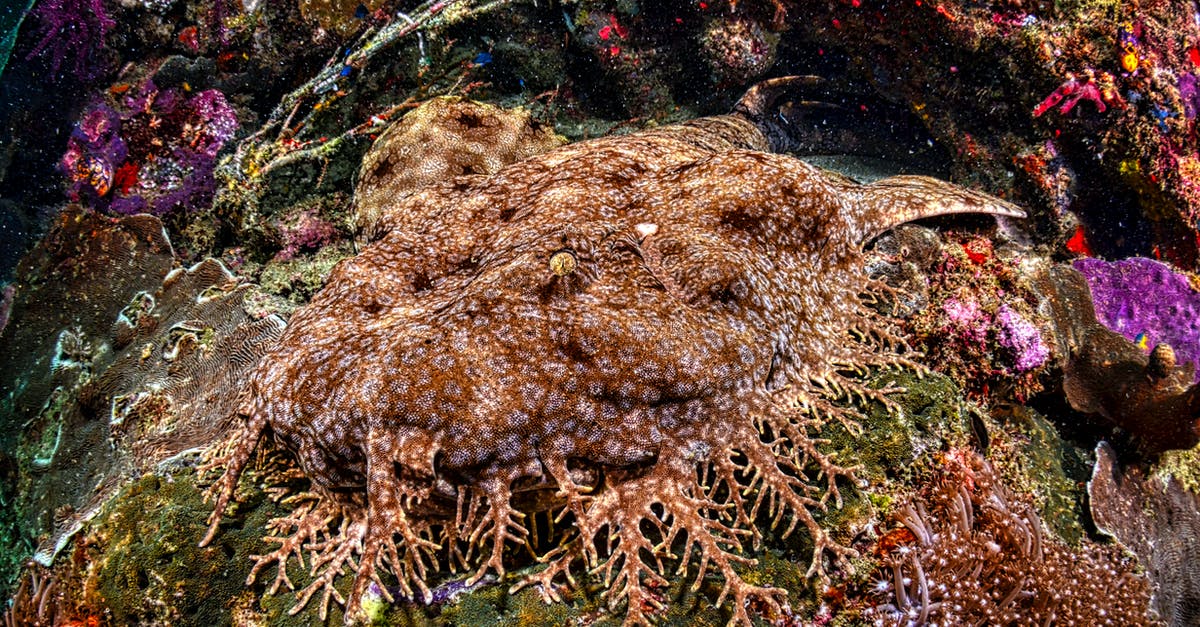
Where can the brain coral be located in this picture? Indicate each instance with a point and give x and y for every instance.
(637, 333)
(444, 138)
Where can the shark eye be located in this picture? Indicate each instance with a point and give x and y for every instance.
(563, 262)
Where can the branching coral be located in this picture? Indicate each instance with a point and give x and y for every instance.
(975, 553)
(641, 334)
(1073, 90)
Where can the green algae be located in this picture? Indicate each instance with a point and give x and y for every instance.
(298, 279)
(148, 567)
(1183, 466)
(894, 445)
(1034, 459)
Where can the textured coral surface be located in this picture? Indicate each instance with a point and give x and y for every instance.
(640, 333)
(1157, 519)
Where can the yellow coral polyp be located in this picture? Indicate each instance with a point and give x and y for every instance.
(1129, 61)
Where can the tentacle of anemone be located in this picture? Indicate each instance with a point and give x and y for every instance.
(225, 487)
(890, 202)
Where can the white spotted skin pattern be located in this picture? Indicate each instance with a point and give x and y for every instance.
(713, 299)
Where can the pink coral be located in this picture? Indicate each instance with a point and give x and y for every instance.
(1022, 338)
(306, 230)
(967, 318)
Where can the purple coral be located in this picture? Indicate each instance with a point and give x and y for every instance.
(155, 155)
(219, 121)
(1143, 296)
(75, 27)
(969, 321)
(1189, 93)
(94, 152)
(1021, 338)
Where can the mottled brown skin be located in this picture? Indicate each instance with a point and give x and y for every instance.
(666, 373)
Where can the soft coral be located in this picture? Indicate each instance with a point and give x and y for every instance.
(75, 27)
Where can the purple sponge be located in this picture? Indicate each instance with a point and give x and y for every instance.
(1143, 296)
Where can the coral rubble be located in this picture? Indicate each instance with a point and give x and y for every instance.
(640, 333)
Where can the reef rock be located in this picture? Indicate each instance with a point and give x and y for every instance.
(640, 334)
(442, 139)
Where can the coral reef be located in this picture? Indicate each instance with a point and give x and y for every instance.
(1157, 519)
(738, 50)
(640, 333)
(155, 153)
(969, 310)
(52, 347)
(1146, 301)
(969, 551)
(1151, 397)
(1083, 112)
(441, 139)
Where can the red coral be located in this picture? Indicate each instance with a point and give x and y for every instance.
(1072, 91)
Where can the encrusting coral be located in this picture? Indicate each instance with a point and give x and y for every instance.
(1152, 397)
(96, 395)
(1147, 302)
(639, 334)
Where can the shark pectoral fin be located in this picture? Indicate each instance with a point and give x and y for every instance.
(890, 202)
